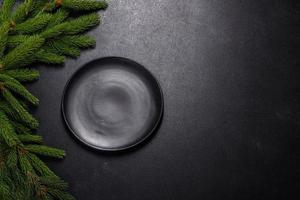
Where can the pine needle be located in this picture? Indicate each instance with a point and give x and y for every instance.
(34, 24)
(20, 128)
(40, 166)
(46, 151)
(28, 138)
(49, 57)
(23, 75)
(24, 163)
(20, 110)
(80, 41)
(18, 88)
(20, 55)
(73, 27)
(22, 11)
(6, 8)
(7, 131)
(12, 159)
(84, 4)
(3, 37)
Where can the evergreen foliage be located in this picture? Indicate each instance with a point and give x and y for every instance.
(35, 31)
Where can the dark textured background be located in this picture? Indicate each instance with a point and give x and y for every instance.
(231, 79)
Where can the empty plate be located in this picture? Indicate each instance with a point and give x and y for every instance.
(112, 103)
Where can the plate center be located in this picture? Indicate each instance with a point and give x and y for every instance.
(112, 104)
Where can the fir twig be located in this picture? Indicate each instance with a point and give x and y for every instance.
(73, 27)
(3, 37)
(5, 10)
(49, 57)
(83, 4)
(22, 113)
(18, 88)
(34, 24)
(22, 11)
(6, 130)
(46, 151)
(28, 138)
(20, 56)
(40, 166)
(23, 75)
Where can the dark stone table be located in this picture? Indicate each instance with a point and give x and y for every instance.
(230, 72)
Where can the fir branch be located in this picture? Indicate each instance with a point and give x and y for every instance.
(15, 40)
(24, 162)
(20, 128)
(81, 24)
(53, 182)
(58, 17)
(61, 195)
(9, 111)
(20, 56)
(20, 168)
(12, 159)
(49, 57)
(28, 138)
(80, 41)
(3, 37)
(22, 11)
(34, 24)
(6, 9)
(7, 131)
(23, 75)
(86, 5)
(73, 27)
(38, 7)
(46, 151)
(48, 197)
(40, 166)
(4, 191)
(23, 114)
(18, 88)
(64, 49)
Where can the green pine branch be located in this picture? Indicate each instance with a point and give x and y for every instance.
(24, 162)
(79, 41)
(23, 75)
(3, 37)
(20, 128)
(23, 53)
(39, 166)
(18, 88)
(28, 138)
(9, 111)
(12, 159)
(19, 109)
(45, 151)
(22, 12)
(63, 49)
(72, 27)
(5, 11)
(83, 4)
(54, 182)
(58, 17)
(49, 56)
(34, 24)
(30, 32)
(7, 133)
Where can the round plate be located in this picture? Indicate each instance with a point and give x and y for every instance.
(112, 104)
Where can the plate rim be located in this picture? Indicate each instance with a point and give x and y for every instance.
(152, 130)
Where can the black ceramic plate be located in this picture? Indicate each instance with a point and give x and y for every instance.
(112, 104)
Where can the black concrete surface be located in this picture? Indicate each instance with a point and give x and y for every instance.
(231, 80)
